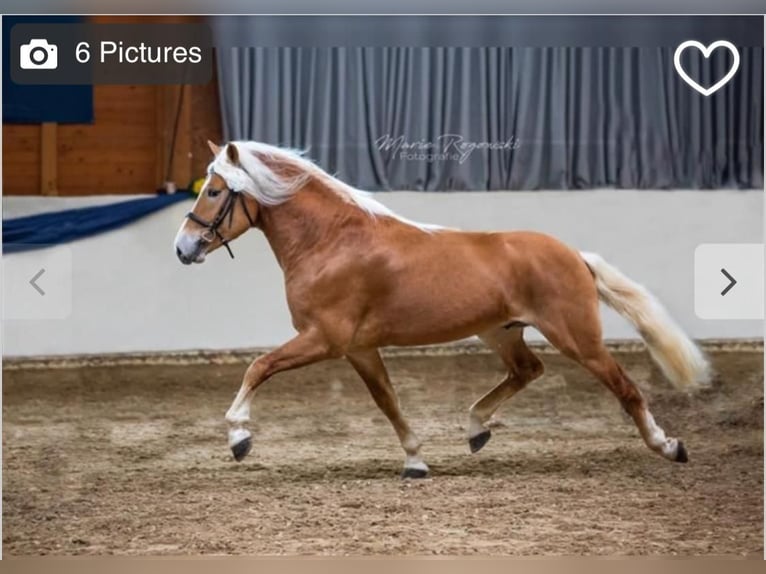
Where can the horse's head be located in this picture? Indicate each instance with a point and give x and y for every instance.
(222, 212)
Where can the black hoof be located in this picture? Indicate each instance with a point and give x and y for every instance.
(241, 449)
(681, 454)
(477, 442)
(414, 473)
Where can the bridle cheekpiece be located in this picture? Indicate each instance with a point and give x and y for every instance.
(212, 227)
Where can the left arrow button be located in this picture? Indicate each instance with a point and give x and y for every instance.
(33, 283)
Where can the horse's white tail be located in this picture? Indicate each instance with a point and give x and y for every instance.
(680, 359)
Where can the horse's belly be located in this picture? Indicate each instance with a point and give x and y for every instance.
(439, 311)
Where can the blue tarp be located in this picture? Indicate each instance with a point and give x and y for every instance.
(45, 229)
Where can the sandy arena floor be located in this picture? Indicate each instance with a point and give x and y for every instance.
(133, 460)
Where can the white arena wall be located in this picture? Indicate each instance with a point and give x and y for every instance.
(130, 293)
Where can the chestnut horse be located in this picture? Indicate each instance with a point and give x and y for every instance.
(359, 277)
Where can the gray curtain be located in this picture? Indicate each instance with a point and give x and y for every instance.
(539, 117)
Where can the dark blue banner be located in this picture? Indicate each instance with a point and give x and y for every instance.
(46, 229)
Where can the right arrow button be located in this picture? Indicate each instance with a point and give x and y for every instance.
(732, 282)
(728, 281)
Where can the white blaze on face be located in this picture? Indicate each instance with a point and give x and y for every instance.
(188, 244)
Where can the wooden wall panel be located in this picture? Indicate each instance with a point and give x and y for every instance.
(116, 153)
(173, 114)
(126, 149)
(21, 159)
(49, 159)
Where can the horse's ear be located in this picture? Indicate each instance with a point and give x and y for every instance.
(232, 153)
(216, 149)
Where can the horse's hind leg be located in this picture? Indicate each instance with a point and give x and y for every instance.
(613, 375)
(576, 332)
(523, 367)
(370, 367)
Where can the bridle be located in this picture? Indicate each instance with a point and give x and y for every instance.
(211, 227)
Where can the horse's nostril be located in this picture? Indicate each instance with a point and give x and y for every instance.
(185, 260)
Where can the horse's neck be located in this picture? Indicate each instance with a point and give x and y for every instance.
(311, 221)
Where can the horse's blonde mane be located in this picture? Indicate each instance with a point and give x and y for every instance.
(268, 187)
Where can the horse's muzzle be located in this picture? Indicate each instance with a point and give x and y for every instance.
(190, 248)
(183, 258)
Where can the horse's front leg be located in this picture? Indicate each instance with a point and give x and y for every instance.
(306, 348)
(370, 367)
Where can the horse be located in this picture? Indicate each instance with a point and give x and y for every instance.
(359, 277)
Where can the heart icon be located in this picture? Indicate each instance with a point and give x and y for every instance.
(706, 51)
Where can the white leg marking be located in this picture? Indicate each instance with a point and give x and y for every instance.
(415, 462)
(239, 411)
(237, 415)
(237, 435)
(411, 445)
(668, 447)
(475, 426)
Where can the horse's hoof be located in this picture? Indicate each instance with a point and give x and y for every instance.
(414, 473)
(681, 454)
(477, 442)
(241, 449)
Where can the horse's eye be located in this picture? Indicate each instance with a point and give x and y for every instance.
(213, 192)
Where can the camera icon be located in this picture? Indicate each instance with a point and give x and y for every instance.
(38, 55)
